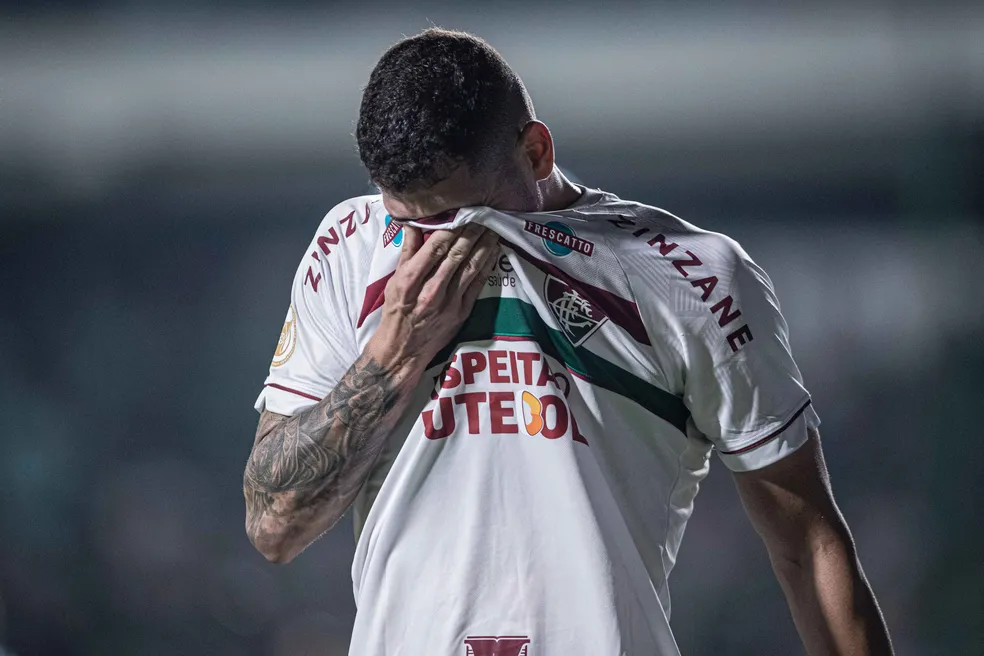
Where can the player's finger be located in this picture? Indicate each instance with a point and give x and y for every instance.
(476, 286)
(460, 254)
(428, 256)
(474, 265)
(413, 239)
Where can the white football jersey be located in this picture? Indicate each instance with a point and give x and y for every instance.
(532, 500)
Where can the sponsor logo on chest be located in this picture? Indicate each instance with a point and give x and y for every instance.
(502, 273)
(559, 238)
(521, 395)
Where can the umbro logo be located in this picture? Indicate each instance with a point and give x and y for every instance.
(578, 318)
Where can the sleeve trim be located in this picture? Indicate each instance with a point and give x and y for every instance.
(297, 392)
(771, 436)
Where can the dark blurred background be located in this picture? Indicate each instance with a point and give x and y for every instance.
(163, 166)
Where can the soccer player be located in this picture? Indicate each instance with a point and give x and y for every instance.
(516, 383)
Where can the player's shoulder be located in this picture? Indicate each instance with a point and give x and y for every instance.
(640, 234)
(354, 224)
(688, 278)
(355, 211)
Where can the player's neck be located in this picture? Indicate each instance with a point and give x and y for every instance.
(558, 192)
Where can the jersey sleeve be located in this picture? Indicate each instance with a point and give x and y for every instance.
(742, 386)
(317, 344)
(719, 339)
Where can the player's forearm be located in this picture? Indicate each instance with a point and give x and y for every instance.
(832, 604)
(305, 471)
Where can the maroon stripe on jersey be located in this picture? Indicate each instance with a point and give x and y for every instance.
(771, 436)
(374, 297)
(622, 312)
(293, 391)
(374, 292)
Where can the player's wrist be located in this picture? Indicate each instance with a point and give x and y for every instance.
(391, 353)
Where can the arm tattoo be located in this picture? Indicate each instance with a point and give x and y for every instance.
(315, 462)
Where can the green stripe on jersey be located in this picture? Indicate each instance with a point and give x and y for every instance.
(511, 317)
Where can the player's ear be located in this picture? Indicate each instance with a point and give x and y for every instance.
(537, 145)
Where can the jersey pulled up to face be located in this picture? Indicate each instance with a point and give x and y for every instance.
(532, 500)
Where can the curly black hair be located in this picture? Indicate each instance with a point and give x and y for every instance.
(436, 101)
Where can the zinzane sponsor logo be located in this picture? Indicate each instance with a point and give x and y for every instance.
(497, 646)
(725, 305)
(539, 407)
(559, 238)
(344, 229)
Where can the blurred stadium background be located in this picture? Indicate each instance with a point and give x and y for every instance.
(163, 166)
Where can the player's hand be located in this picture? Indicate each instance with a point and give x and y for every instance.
(432, 292)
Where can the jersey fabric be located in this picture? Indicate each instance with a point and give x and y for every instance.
(532, 500)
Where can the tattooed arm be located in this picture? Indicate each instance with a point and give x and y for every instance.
(305, 471)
